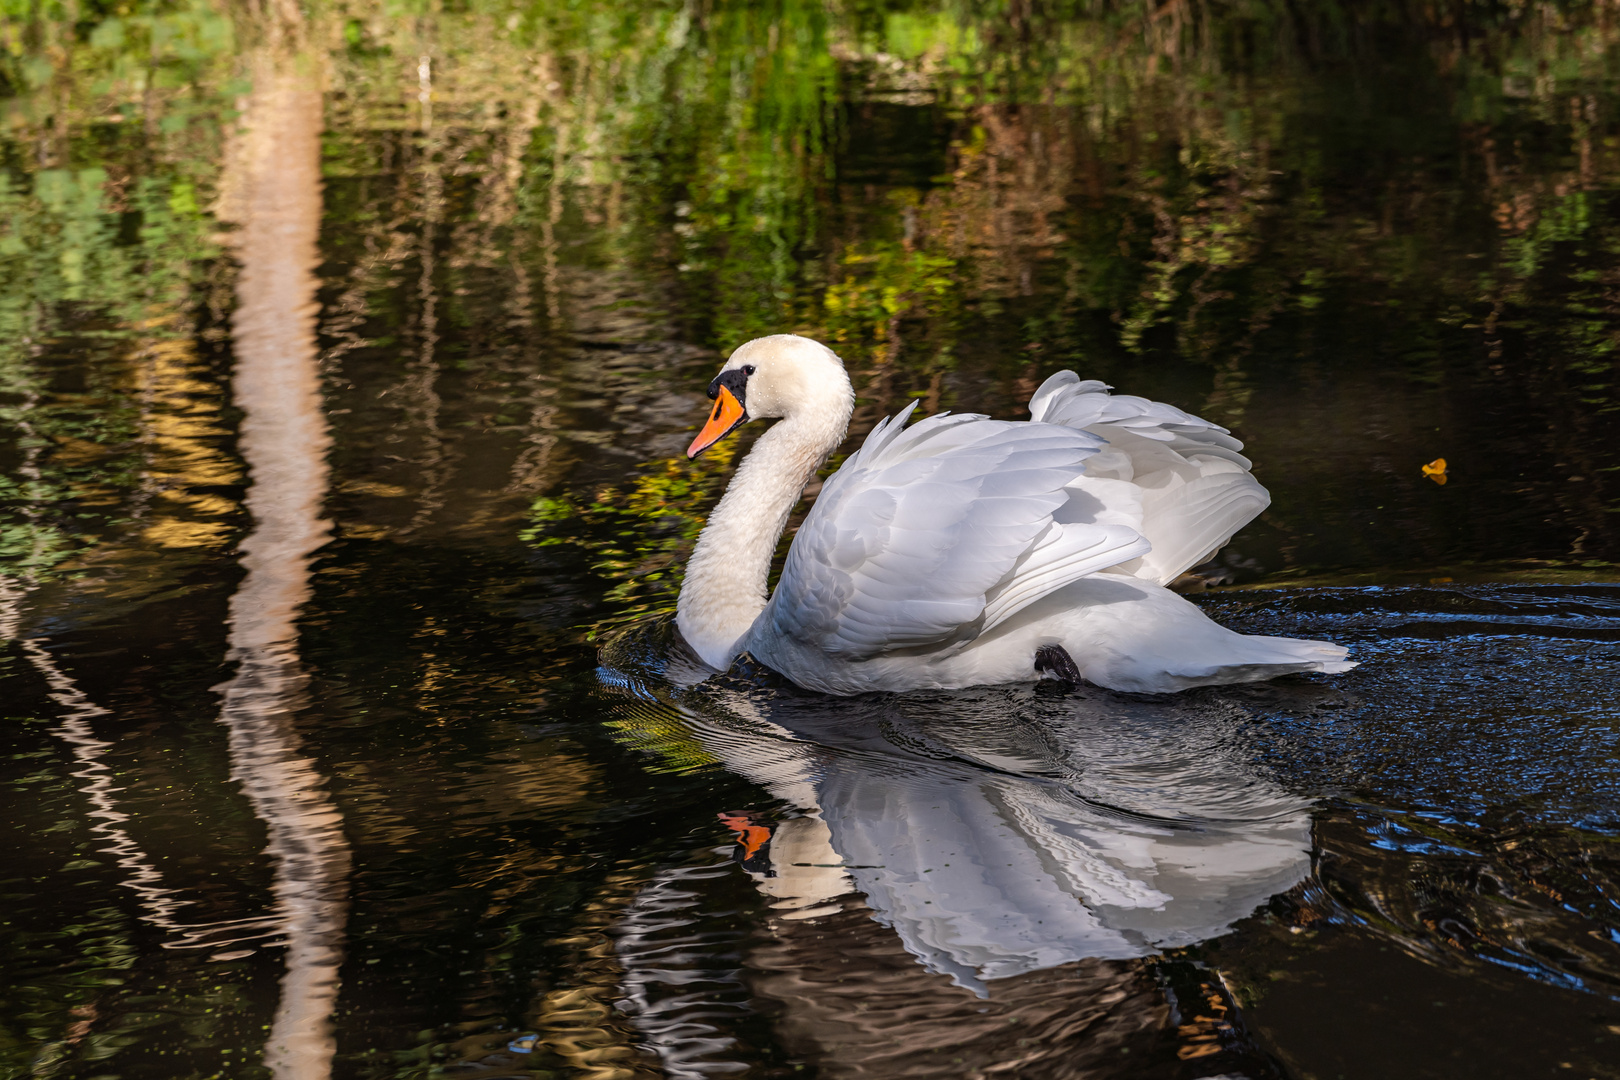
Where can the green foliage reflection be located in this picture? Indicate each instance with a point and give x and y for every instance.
(638, 537)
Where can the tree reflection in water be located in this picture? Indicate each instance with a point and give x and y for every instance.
(1363, 238)
(273, 191)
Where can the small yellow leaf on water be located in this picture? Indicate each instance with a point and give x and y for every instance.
(1436, 470)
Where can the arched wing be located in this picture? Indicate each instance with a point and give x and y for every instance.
(1180, 480)
(930, 535)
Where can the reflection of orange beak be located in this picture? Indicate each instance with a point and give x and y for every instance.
(752, 837)
(728, 413)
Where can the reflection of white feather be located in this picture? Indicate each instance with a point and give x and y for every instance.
(807, 871)
(990, 876)
(1092, 864)
(969, 893)
(1107, 828)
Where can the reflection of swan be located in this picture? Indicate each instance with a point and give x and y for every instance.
(1003, 831)
(965, 551)
(988, 874)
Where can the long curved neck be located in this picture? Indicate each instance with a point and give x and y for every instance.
(726, 578)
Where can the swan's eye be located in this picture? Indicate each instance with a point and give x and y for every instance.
(748, 369)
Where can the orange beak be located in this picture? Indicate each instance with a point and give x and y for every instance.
(728, 413)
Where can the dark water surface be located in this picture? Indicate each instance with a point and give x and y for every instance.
(348, 356)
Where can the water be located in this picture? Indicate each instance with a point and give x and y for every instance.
(347, 362)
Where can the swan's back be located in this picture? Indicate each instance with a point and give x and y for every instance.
(965, 551)
(1177, 479)
(930, 535)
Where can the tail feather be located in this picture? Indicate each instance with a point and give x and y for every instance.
(1129, 634)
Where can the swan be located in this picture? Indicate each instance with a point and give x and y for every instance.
(965, 551)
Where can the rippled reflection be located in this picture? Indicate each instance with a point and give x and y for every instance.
(1365, 239)
(1090, 827)
(96, 779)
(273, 189)
(996, 833)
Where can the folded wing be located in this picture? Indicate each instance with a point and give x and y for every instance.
(930, 535)
(1177, 479)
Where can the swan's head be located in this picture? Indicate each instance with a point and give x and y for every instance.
(783, 375)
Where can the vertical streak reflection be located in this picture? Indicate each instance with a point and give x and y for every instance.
(273, 192)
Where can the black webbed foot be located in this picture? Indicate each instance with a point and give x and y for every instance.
(1055, 660)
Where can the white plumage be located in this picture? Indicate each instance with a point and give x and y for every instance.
(946, 553)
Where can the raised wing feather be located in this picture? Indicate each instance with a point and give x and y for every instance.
(929, 535)
(1180, 480)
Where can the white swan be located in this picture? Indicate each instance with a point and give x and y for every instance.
(965, 551)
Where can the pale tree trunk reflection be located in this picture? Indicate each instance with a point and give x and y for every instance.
(273, 192)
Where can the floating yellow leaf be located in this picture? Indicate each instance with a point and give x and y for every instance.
(1436, 470)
